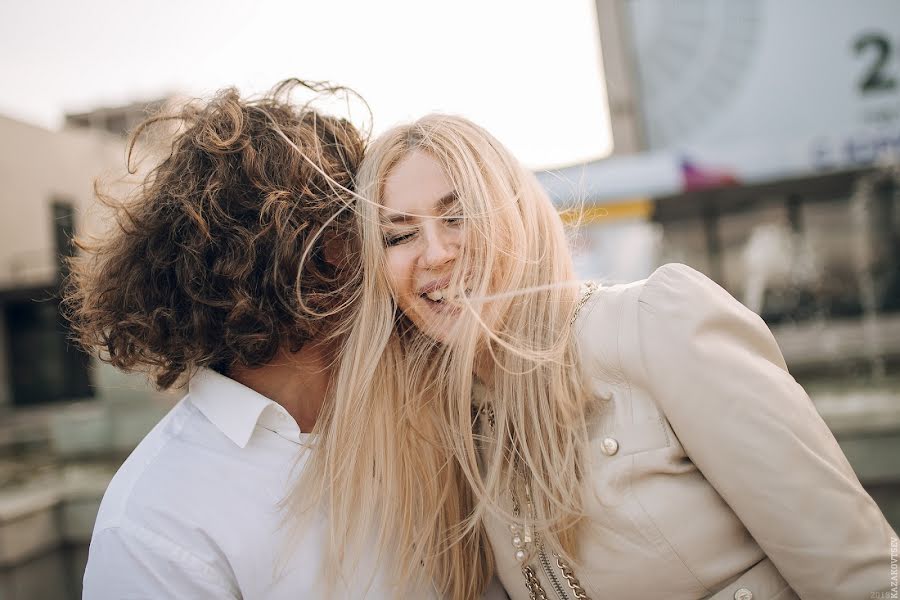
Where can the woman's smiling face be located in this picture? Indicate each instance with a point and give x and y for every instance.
(423, 235)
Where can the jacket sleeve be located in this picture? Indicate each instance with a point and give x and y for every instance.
(715, 370)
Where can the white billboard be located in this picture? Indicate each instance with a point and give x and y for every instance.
(821, 74)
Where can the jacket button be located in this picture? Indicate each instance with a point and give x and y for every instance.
(743, 594)
(610, 446)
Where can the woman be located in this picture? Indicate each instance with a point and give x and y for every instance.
(635, 441)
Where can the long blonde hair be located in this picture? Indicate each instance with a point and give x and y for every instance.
(399, 433)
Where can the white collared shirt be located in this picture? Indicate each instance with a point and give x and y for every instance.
(193, 513)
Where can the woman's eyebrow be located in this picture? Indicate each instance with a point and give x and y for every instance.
(448, 200)
(444, 203)
(396, 218)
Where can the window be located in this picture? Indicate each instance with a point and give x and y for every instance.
(43, 365)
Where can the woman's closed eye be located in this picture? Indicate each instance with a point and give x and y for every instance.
(453, 220)
(399, 237)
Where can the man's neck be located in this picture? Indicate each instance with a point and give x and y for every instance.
(298, 381)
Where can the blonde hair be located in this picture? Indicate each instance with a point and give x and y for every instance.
(399, 434)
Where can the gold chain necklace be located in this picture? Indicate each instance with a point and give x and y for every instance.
(523, 537)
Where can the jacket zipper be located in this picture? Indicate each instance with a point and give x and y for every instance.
(551, 575)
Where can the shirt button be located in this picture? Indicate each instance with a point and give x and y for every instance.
(743, 594)
(610, 446)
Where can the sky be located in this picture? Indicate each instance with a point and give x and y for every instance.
(529, 71)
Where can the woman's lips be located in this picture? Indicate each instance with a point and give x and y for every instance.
(436, 284)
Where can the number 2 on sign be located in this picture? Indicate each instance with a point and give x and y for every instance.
(876, 77)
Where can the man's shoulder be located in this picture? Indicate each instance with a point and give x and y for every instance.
(162, 468)
(145, 541)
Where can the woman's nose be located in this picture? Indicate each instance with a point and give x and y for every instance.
(441, 246)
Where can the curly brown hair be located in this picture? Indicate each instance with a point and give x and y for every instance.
(217, 259)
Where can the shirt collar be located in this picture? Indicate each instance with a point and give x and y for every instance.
(236, 410)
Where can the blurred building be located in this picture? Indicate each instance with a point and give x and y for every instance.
(117, 120)
(48, 197)
(66, 421)
(47, 188)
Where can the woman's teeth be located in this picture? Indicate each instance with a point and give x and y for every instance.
(439, 295)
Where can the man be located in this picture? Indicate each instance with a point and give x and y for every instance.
(219, 273)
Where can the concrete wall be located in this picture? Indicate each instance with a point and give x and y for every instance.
(38, 167)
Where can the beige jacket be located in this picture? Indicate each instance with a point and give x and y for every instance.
(712, 475)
